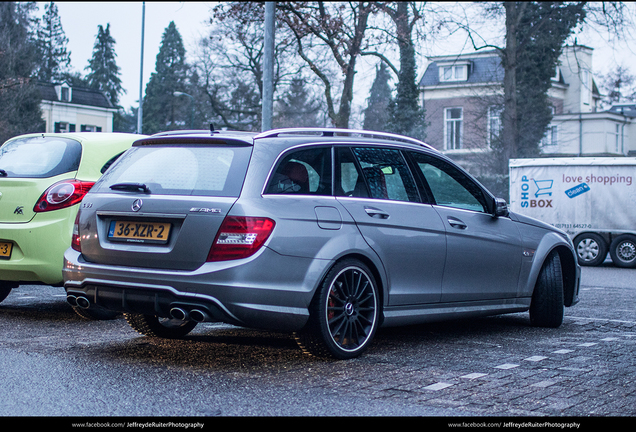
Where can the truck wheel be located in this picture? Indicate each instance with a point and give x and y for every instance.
(623, 251)
(591, 249)
(546, 307)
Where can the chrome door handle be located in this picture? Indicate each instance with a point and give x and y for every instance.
(456, 223)
(376, 213)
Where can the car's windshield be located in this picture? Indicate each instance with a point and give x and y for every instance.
(39, 157)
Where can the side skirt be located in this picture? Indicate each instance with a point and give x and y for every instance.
(417, 314)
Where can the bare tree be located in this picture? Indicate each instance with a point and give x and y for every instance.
(325, 33)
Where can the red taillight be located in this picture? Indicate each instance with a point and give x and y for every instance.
(75, 239)
(240, 237)
(62, 194)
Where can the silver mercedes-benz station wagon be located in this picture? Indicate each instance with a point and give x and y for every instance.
(325, 233)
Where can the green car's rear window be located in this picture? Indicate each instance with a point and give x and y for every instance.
(40, 157)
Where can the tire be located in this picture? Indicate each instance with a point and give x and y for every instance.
(4, 292)
(6, 287)
(95, 313)
(623, 251)
(591, 249)
(344, 314)
(546, 307)
(152, 326)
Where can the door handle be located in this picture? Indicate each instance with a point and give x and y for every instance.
(456, 223)
(376, 213)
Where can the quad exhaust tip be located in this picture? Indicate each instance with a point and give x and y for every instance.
(178, 313)
(194, 315)
(79, 301)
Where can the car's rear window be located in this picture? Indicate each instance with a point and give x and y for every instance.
(201, 170)
(39, 157)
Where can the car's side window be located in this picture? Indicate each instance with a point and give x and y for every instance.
(303, 172)
(386, 173)
(448, 185)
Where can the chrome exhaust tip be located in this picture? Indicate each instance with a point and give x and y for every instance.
(72, 300)
(198, 315)
(82, 302)
(178, 313)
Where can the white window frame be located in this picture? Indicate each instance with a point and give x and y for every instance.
(551, 137)
(453, 129)
(494, 122)
(456, 72)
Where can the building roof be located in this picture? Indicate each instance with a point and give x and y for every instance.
(485, 67)
(79, 96)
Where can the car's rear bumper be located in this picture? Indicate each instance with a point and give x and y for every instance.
(265, 291)
(38, 247)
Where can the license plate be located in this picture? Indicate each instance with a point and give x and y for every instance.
(5, 250)
(139, 232)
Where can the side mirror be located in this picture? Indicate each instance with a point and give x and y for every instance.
(501, 207)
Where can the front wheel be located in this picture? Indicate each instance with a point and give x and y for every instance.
(344, 315)
(153, 326)
(623, 251)
(546, 307)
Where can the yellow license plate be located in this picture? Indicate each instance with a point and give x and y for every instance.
(5, 250)
(139, 232)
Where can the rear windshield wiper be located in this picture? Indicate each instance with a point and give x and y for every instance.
(132, 187)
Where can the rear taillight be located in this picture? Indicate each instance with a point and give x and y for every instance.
(75, 239)
(62, 194)
(240, 237)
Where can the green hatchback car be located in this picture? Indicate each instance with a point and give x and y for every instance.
(43, 178)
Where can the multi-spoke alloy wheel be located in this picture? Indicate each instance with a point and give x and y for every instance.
(344, 315)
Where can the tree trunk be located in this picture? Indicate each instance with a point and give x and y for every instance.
(509, 60)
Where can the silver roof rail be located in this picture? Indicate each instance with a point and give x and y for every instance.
(334, 131)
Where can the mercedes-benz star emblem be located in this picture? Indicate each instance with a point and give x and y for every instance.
(136, 206)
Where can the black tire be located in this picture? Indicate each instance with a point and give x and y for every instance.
(591, 249)
(623, 251)
(152, 326)
(96, 314)
(4, 291)
(344, 314)
(546, 307)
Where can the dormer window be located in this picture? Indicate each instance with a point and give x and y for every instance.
(64, 92)
(453, 71)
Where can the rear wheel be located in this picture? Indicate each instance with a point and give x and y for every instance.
(591, 249)
(344, 314)
(623, 251)
(96, 314)
(546, 308)
(149, 325)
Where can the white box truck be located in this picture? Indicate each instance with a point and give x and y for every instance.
(592, 199)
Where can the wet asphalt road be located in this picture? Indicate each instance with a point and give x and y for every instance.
(55, 364)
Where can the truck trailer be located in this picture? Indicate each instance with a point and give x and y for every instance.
(593, 199)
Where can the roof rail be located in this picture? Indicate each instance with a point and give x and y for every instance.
(334, 131)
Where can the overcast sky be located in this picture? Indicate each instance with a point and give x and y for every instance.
(80, 21)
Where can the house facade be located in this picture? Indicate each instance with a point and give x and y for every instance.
(463, 98)
(75, 109)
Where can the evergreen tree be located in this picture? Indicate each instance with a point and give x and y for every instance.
(104, 72)
(162, 110)
(51, 42)
(297, 107)
(19, 98)
(376, 115)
